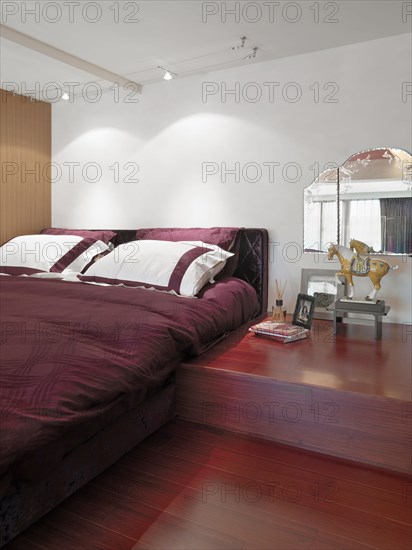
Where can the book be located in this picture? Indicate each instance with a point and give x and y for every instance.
(281, 339)
(281, 332)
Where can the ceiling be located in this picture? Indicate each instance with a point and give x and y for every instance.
(132, 39)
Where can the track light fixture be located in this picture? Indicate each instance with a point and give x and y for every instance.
(252, 55)
(169, 75)
(242, 44)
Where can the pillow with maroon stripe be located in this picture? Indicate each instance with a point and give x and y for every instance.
(104, 235)
(227, 238)
(180, 267)
(30, 254)
(223, 237)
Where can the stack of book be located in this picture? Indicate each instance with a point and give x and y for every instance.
(281, 332)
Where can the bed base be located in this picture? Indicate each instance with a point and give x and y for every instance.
(27, 504)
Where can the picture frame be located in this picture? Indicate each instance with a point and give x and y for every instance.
(304, 309)
(325, 287)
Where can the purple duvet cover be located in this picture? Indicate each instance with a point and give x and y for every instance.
(75, 356)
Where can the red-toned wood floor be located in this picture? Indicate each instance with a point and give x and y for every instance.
(190, 486)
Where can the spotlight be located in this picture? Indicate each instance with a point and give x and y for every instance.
(65, 96)
(167, 75)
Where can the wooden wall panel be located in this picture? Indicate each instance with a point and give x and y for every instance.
(25, 151)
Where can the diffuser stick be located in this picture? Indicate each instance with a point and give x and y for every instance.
(278, 313)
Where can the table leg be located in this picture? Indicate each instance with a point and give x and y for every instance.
(378, 327)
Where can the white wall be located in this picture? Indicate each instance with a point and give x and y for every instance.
(171, 132)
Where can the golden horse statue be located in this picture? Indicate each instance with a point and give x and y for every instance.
(354, 265)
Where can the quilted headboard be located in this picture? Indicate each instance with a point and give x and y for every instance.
(252, 265)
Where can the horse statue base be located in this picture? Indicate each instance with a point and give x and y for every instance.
(356, 300)
(360, 306)
(377, 310)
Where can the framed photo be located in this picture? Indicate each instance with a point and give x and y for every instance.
(325, 287)
(303, 314)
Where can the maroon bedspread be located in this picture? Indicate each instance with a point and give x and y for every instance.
(75, 356)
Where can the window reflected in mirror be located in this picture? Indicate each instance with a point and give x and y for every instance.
(368, 198)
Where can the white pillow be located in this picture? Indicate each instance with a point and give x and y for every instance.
(181, 267)
(30, 254)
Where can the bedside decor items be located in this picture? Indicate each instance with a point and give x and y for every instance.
(355, 265)
(279, 312)
(304, 309)
(277, 328)
(325, 286)
(281, 332)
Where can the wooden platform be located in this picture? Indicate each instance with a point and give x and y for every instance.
(346, 395)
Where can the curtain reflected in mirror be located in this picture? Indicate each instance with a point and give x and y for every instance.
(361, 219)
(368, 198)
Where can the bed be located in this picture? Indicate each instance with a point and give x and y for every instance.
(88, 369)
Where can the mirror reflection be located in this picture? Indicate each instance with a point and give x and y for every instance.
(368, 198)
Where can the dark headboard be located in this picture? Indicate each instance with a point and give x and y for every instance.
(252, 266)
(253, 262)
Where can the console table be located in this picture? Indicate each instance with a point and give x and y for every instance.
(341, 309)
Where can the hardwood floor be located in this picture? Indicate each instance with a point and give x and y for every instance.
(191, 486)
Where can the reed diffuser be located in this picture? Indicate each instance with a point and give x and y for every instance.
(279, 313)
